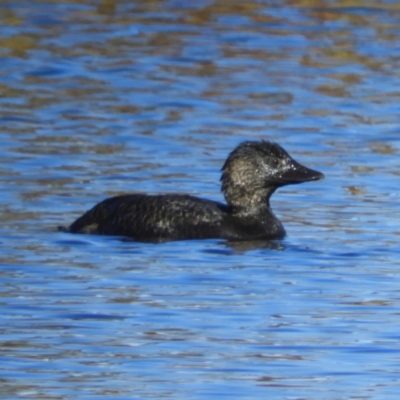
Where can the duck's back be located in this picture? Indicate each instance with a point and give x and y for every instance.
(154, 218)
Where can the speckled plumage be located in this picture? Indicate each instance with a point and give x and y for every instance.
(251, 174)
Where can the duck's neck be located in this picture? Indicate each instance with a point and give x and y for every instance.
(244, 203)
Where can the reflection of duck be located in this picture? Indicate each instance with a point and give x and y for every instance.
(250, 175)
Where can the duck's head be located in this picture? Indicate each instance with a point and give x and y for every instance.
(254, 170)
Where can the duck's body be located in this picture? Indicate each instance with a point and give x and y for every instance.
(252, 172)
(174, 217)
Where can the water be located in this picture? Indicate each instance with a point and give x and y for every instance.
(112, 97)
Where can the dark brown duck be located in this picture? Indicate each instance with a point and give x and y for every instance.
(250, 175)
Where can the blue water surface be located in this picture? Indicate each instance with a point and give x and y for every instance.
(111, 97)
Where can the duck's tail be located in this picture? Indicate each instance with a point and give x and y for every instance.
(62, 229)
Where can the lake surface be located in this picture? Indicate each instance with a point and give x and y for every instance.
(111, 97)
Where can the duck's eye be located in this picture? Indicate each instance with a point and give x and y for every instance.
(275, 162)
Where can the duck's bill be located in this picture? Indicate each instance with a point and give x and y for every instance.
(298, 173)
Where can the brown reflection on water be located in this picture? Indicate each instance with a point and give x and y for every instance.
(327, 48)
